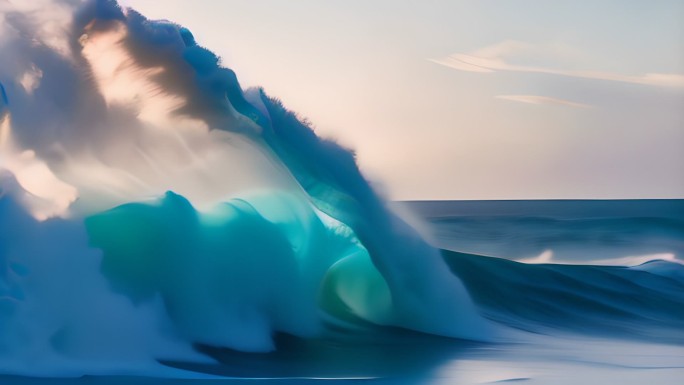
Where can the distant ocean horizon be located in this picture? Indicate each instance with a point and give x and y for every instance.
(591, 231)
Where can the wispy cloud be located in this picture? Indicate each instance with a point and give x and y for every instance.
(497, 58)
(536, 99)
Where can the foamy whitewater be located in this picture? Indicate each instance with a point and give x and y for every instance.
(155, 216)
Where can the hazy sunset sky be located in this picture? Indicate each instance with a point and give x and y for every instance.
(486, 99)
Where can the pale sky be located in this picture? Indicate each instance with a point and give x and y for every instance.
(477, 99)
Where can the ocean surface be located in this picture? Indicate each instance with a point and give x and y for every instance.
(585, 292)
(605, 232)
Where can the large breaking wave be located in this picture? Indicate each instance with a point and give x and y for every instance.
(150, 205)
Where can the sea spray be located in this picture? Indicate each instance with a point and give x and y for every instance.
(218, 208)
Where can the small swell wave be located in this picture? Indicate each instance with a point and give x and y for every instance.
(644, 301)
